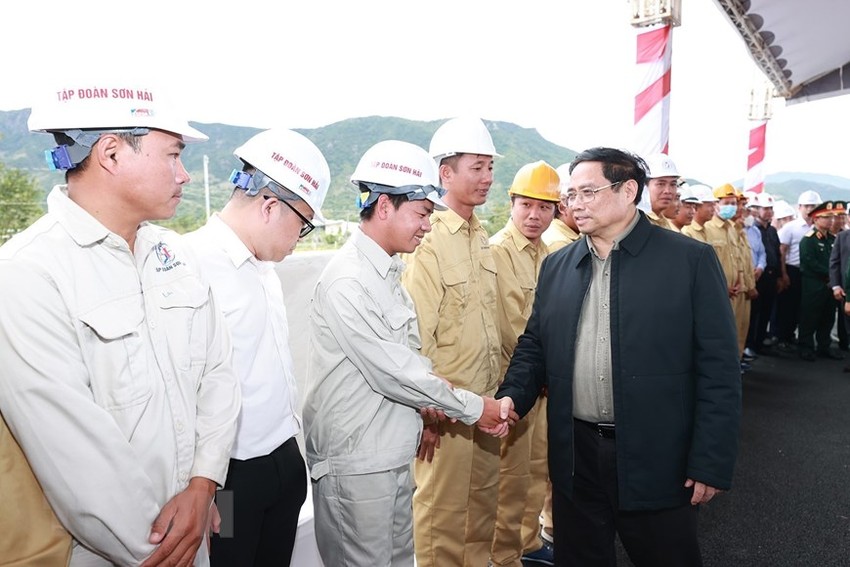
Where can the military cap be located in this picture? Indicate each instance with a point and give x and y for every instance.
(825, 209)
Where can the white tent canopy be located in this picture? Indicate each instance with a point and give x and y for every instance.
(801, 45)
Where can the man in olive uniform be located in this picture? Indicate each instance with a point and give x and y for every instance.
(451, 278)
(662, 184)
(563, 229)
(561, 232)
(748, 281)
(523, 474)
(721, 235)
(703, 212)
(817, 309)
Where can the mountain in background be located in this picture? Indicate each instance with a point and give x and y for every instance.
(343, 143)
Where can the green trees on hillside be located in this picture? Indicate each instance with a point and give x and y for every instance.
(20, 201)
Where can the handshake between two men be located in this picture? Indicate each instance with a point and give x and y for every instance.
(497, 417)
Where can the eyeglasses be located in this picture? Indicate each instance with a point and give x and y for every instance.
(306, 226)
(585, 196)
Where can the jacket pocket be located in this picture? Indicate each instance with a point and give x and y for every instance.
(399, 317)
(455, 303)
(187, 324)
(113, 344)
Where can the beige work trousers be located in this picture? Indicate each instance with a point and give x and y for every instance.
(454, 505)
(741, 308)
(523, 480)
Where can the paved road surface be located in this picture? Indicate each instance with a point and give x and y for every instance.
(790, 503)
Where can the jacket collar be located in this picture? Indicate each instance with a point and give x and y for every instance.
(453, 221)
(382, 262)
(632, 243)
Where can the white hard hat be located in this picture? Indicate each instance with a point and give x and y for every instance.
(704, 193)
(563, 172)
(687, 195)
(809, 198)
(781, 210)
(394, 167)
(660, 165)
(289, 160)
(760, 200)
(109, 105)
(462, 135)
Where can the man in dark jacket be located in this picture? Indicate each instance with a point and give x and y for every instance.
(644, 394)
(766, 284)
(839, 262)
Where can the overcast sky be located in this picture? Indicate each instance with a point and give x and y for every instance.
(564, 68)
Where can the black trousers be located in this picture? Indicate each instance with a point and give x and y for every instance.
(267, 494)
(587, 522)
(788, 305)
(762, 307)
(817, 316)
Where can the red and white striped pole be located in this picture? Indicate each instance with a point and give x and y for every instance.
(760, 112)
(652, 102)
(754, 179)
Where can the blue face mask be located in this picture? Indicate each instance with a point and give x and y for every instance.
(727, 211)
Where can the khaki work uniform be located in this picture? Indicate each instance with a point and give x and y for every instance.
(452, 279)
(722, 237)
(745, 257)
(32, 536)
(559, 235)
(523, 471)
(662, 221)
(696, 231)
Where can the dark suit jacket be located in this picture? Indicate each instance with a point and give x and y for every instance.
(677, 377)
(839, 259)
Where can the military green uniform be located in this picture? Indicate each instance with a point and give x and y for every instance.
(817, 308)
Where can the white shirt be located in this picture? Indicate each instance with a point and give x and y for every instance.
(367, 378)
(791, 234)
(116, 377)
(248, 291)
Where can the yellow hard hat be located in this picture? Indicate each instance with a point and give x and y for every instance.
(725, 190)
(537, 180)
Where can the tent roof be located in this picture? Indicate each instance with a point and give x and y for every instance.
(802, 46)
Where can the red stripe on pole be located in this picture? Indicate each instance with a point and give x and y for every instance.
(651, 45)
(757, 189)
(757, 145)
(756, 157)
(757, 136)
(652, 95)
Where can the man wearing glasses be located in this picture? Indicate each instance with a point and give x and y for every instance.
(643, 417)
(280, 189)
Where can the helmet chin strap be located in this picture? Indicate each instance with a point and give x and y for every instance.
(75, 145)
(370, 192)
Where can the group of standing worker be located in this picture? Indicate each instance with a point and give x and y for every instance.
(470, 399)
(785, 276)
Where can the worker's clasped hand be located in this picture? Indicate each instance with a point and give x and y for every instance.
(498, 416)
